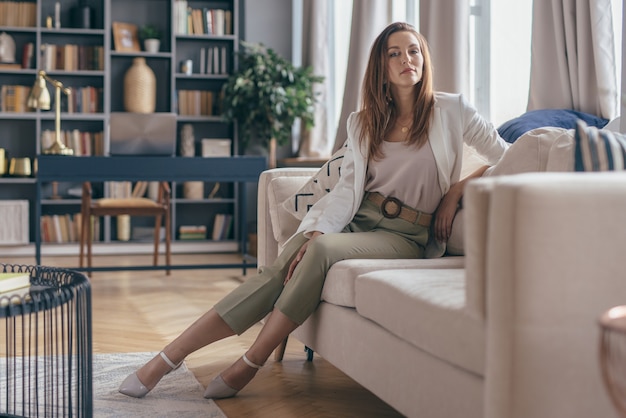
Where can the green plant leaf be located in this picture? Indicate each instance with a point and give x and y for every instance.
(267, 94)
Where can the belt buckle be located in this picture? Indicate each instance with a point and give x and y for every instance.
(393, 201)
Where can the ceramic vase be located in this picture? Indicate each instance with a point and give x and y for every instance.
(139, 87)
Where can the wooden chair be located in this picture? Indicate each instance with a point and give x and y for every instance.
(129, 206)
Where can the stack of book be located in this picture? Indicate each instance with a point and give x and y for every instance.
(13, 287)
(192, 232)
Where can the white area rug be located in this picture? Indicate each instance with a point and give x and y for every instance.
(177, 395)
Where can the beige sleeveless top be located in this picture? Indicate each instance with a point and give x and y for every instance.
(407, 173)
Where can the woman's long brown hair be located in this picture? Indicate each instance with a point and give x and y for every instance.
(378, 112)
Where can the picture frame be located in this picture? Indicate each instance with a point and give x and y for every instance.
(125, 37)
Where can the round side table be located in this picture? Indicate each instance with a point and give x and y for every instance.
(46, 346)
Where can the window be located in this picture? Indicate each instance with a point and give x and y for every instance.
(499, 48)
(496, 30)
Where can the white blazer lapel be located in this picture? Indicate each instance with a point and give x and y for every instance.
(438, 145)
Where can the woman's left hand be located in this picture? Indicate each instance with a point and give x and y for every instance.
(449, 205)
(444, 216)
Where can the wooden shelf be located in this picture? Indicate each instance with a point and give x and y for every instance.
(21, 132)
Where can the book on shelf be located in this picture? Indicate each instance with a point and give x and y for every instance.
(118, 189)
(198, 26)
(13, 98)
(28, 55)
(87, 99)
(12, 281)
(180, 17)
(83, 143)
(221, 226)
(60, 228)
(57, 231)
(201, 21)
(195, 102)
(18, 13)
(72, 57)
(139, 190)
(216, 60)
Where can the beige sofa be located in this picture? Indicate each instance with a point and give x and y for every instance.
(507, 331)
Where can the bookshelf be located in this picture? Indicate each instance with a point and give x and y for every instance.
(74, 43)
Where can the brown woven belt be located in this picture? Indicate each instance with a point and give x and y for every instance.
(392, 208)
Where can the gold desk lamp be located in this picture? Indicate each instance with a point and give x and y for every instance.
(39, 98)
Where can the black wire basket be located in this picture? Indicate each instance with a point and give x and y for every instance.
(46, 356)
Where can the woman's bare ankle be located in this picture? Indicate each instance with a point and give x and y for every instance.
(239, 374)
(153, 371)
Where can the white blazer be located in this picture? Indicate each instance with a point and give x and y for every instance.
(454, 122)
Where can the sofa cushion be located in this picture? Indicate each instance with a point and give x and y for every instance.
(340, 279)
(284, 225)
(322, 182)
(529, 153)
(562, 118)
(425, 307)
(598, 150)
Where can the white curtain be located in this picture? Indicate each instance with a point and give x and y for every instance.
(445, 24)
(315, 49)
(573, 57)
(369, 18)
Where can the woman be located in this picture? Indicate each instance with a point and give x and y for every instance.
(402, 165)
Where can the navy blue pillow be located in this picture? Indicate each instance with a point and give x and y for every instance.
(560, 118)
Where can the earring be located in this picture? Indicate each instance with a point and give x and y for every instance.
(388, 97)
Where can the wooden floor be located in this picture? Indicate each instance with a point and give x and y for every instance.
(135, 311)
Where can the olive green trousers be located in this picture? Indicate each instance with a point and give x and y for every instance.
(368, 236)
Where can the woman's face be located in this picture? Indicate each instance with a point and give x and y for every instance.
(405, 59)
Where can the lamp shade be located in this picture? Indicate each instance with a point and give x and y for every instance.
(39, 97)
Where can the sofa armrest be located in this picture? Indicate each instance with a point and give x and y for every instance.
(268, 245)
(555, 251)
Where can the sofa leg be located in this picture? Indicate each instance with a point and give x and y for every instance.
(309, 353)
(279, 353)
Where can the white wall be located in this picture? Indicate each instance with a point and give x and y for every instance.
(269, 22)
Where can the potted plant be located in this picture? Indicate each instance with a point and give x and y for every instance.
(266, 95)
(150, 35)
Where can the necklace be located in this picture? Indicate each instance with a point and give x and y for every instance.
(404, 128)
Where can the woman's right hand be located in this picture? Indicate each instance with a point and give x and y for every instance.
(299, 256)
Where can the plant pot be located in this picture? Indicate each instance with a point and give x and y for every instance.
(151, 45)
(271, 153)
